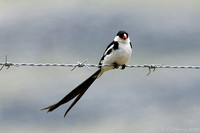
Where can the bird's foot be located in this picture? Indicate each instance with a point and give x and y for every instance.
(116, 66)
(123, 66)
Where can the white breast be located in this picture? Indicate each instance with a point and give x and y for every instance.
(119, 56)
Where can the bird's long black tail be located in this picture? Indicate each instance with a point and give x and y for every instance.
(77, 92)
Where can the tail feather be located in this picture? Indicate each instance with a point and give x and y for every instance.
(78, 91)
(75, 101)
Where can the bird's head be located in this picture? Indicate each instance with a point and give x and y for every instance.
(122, 36)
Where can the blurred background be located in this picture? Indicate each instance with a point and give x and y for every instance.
(63, 31)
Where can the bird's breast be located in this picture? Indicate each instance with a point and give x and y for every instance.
(119, 56)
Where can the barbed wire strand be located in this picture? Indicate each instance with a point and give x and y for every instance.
(83, 64)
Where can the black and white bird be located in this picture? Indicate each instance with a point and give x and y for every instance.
(116, 54)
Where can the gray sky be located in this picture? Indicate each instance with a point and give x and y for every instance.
(162, 32)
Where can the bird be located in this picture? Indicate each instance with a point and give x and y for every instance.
(116, 55)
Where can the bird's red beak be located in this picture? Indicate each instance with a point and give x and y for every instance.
(124, 36)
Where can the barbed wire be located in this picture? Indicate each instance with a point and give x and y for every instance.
(83, 64)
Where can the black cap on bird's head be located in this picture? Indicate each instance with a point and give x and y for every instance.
(122, 34)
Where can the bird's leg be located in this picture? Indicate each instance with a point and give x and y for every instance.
(116, 66)
(123, 66)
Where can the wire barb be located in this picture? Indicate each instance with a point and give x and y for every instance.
(151, 67)
(6, 64)
(81, 64)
